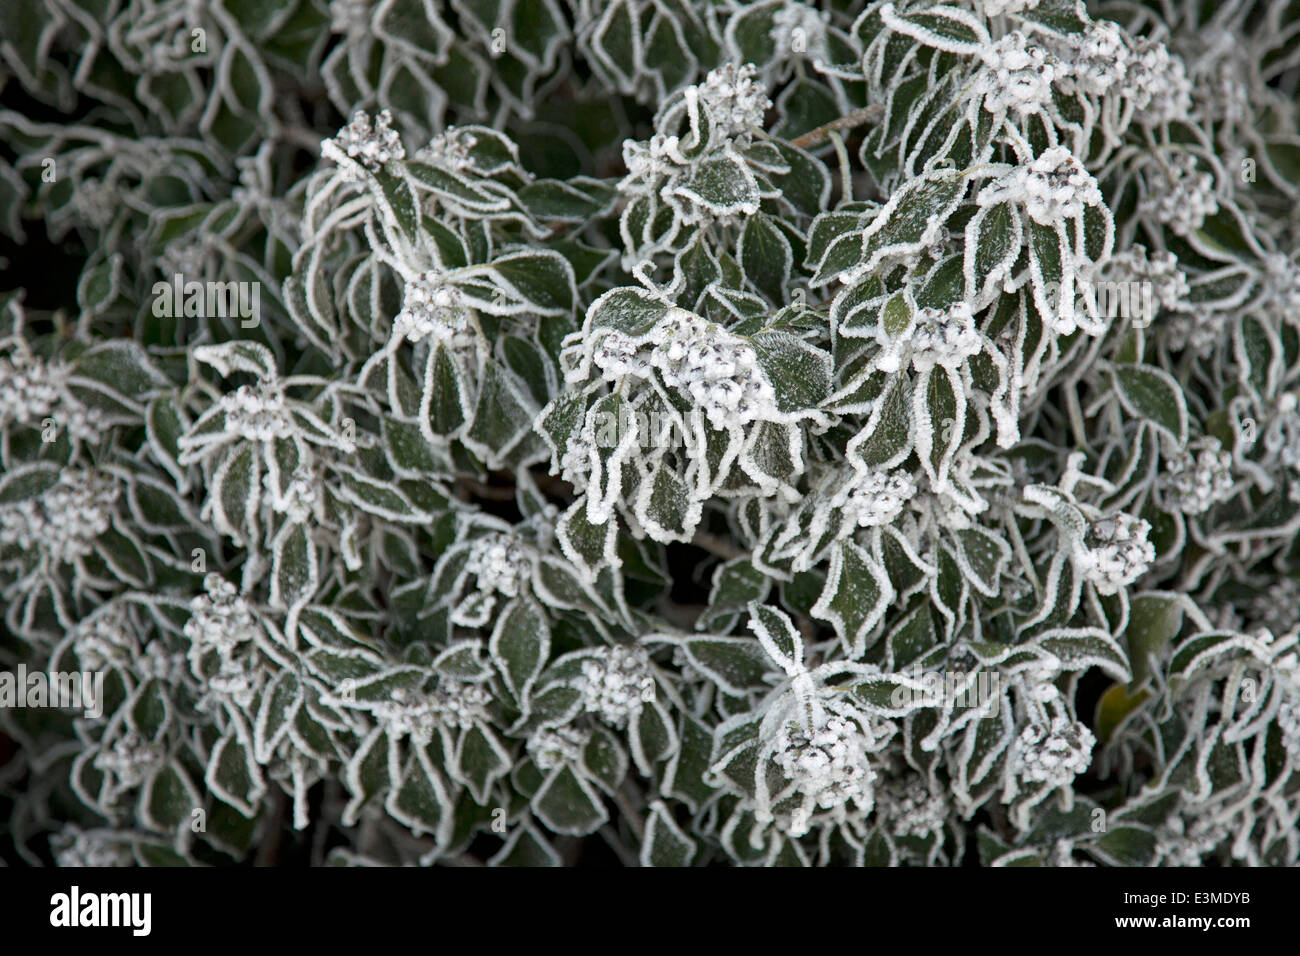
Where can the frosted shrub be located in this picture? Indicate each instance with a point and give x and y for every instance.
(775, 433)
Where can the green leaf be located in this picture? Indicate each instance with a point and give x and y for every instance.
(1153, 394)
(567, 804)
(665, 844)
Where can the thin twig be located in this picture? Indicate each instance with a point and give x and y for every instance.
(819, 135)
(716, 545)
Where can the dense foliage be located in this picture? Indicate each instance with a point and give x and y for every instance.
(661, 431)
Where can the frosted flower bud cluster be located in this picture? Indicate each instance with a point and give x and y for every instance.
(874, 498)
(1198, 476)
(575, 461)
(1052, 756)
(615, 683)
(649, 161)
(914, 811)
(449, 150)
(1054, 186)
(76, 847)
(500, 563)
(160, 663)
(716, 369)
(64, 521)
(1196, 329)
(1095, 61)
(1179, 194)
(1157, 83)
(258, 412)
(944, 338)
(300, 499)
(221, 619)
(128, 762)
(799, 30)
(349, 16)
(1116, 552)
(371, 146)
(104, 638)
(1282, 436)
(734, 100)
(1282, 284)
(459, 704)
(431, 309)
(452, 704)
(995, 8)
(827, 762)
(1161, 269)
(1181, 845)
(553, 747)
(1278, 608)
(1019, 75)
(618, 355)
(400, 717)
(1288, 722)
(31, 389)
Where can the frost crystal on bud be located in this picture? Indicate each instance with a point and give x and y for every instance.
(1181, 844)
(1053, 755)
(552, 747)
(449, 150)
(1161, 269)
(1054, 186)
(1019, 75)
(258, 412)
(430, 309)
(501, 564)
(1198, 476)
(734, 101)
(1282, 284)
(127, 763)
(615, 683)
(994, 8)
(798, 20)
(874, 498)
(64, 521)
(1095, 61)
(300, 499)
(1116, 552)
(827, 762)
(913, 810)
(1180, 196)
(33, 389)
(1157, 83)
(220, 619)
(715, 368)
(459, 704)
(618, 355)
(104, 638)
(76, 847)
(944, 338)
(372, 147)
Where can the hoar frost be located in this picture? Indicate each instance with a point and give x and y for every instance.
(1053, 186)
(1116, 552)
(827, 762)
(1054, 755)
(615, 682)
(373, 146)
(1199, 476)
(1019, 77)
(431, 309)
